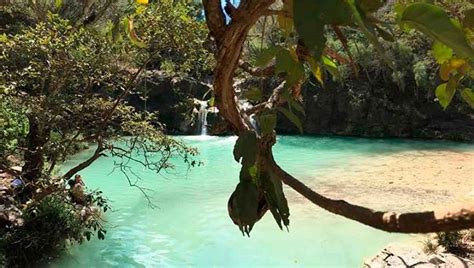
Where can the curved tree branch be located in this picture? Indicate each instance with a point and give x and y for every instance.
(228, 56)
(97, 153)
(255, 71)
(445, 219)
(215, 18)
(232, 40)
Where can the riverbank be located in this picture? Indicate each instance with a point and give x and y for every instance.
(191, 226)
(411, 180)
(407, 180)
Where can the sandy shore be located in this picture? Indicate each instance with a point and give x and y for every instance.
(402, 181)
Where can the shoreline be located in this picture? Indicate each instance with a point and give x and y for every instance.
(400, 181)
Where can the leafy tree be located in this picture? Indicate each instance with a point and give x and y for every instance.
(170, 29)
(63, 85)
(69, 85)
(306, 26)
(13, 123)
(71, 90)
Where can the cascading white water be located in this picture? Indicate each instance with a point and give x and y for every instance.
(245, 106)
(202, 118)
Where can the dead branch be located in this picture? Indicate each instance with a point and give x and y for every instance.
(255, 71)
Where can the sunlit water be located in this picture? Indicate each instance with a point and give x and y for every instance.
(190, 226)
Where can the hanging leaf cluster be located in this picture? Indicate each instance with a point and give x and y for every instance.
(257, 191)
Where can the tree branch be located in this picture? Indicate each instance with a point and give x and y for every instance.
(215, 18)
(228, 58)
(446, 219)
(10, 171)
(98, 153)
(273, 12)
(125, 92)
(453, 218)
(259, 72)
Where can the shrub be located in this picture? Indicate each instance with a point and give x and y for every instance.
(452, 242)
(47, 229)
(430, 247)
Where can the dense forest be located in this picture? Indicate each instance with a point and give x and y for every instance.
(123, 80)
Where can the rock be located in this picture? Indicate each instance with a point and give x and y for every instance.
(172, 98)
(361, 108)
(398, 255)
(356, 107)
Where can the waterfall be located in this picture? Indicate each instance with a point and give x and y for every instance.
(245, 106)
(202, 118)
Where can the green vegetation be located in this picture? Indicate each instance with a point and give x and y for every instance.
(14, 125)
(305, 48)
(455, 242)
(47, 229)
(64, 87)
(68, 69)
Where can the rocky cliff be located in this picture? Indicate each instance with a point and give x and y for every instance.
(364, 108)
(359, 107)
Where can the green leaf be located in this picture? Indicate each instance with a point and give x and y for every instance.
(245, 175)
(58, 3)
(100, 235)
(295, 105)
(244, 205)
(286, 22)
(309, 27)
(468, 95)
(266, 55)
(275, 197)
(283, 208)
(3, 38)
(368, 29)
(212, 101)
(292, 117)
(140, 9)
(468, 20)
(445, 92)
(434, 22)
(370, 6)
(286, 64)
(246, 148)
(384, 34)
(333, 11)
(253, 94)
(316, 70)
(331, 66)
(267, 122)
(441, 52)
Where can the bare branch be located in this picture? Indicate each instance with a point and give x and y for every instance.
(134, 184)
(98, 153)
(272, 12)
(445, 219)
(259, 72)
(125, 92)
(10, 171)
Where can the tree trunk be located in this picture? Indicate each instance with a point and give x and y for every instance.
(37, 137)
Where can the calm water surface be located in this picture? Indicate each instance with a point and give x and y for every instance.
(190, 226)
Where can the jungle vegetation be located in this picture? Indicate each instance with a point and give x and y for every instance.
(68, 67)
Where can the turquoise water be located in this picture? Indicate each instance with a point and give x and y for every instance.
(190, 226)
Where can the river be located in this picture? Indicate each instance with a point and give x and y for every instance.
(190, 226)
